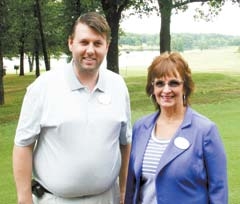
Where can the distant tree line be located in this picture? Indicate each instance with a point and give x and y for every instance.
(39, 28)
(179, 42)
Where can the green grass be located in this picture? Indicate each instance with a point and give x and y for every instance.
(226, 114)
(7, 192)
(14, 88)
(217, 96)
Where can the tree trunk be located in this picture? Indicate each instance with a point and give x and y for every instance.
(21, 50)
(40, 26)
(113, 52)
(30, 61)
(1, 76)
(113, 10)
(36, 53)
(78, 7)
(2, 30)
(165, 34)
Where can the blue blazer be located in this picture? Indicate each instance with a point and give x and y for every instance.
(193, 168)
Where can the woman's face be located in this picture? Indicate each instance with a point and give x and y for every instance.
(169, 92)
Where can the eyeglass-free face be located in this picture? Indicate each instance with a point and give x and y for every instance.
(171, 83)
(88, 49)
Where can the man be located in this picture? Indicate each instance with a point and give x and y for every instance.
(72, 123)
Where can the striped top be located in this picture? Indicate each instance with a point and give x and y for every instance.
(152, 156)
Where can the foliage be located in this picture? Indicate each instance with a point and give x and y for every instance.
(167, 7)
(134, 39)
(20, 23)
(180, 42)
(203, 41)
(53, 20)
(207, 13)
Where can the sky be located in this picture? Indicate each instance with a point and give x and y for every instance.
(227, 22)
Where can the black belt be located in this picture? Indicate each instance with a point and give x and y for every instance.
(37, 189)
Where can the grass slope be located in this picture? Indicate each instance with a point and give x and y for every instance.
(217, 96)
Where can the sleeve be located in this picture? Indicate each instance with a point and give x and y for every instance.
(126, 127)
(216, 165)
(28, 126)
(131, 179)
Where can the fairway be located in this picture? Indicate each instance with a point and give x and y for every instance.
(214, 60)
(223, 60)
(217, 96)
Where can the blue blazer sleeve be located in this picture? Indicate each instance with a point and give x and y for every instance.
(216, 166)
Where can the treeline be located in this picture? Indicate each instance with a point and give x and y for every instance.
(179, 42)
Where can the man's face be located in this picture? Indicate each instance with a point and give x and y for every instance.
(88, 48)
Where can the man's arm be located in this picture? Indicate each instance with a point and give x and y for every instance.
(125, 152)
(22, 170)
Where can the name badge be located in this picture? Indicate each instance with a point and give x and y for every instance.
(104, 99)
(181, 143)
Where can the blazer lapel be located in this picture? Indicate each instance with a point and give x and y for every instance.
(142, 140)
(171, 152)
(179, 143)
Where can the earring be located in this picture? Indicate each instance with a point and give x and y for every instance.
(184, 99)
(151, 97)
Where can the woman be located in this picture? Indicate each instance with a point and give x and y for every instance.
(177, 156)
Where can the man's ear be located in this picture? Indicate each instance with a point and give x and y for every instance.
(70, 42)
(108, 46)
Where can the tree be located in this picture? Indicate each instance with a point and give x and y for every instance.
(36, 54)
(166, 7)
(20, 28)
(40, 27)
(1, 76)
(22, 38)
(113, 10)
(3, 9)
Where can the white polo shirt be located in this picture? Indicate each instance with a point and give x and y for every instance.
(78, 132)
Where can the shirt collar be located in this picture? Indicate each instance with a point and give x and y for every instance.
(75, 84)
(101, 83)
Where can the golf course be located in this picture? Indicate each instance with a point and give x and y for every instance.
(216, 74)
